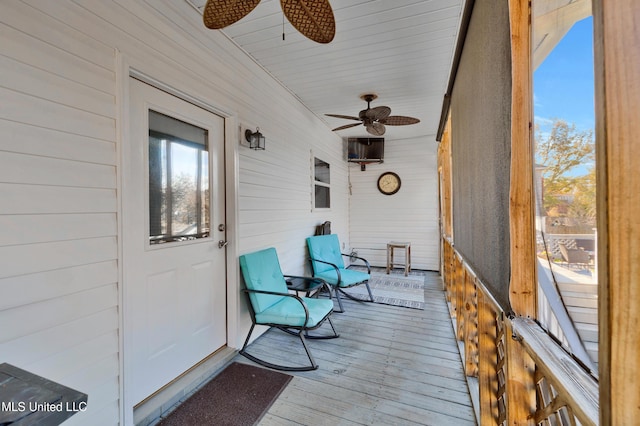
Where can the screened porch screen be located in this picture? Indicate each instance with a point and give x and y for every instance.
(179, 193)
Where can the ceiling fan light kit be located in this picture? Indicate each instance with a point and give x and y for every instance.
(375, 119)
(313, 18)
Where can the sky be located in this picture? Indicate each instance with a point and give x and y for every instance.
(563, 84)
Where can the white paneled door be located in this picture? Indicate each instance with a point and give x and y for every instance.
(174, 278)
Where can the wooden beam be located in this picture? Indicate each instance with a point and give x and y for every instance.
(523, 286)
(617, 75)
(521, 396)
(444, 167)
(569, 379)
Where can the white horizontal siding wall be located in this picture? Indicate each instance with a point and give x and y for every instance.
(58, 178)
(60, 105)
(410, 215)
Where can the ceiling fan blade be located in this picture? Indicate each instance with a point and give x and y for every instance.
(347, 117)
(313, 18)
(378, 113)
(399, 120)
(376, 129)
(346, 126)
(221, 13)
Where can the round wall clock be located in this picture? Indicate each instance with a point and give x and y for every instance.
(389, 183)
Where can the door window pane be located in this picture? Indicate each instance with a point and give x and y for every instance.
(178, 180)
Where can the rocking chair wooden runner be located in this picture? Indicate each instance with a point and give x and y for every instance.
(327, 264)
(271, 304)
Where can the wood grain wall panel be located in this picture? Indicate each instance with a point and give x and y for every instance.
(617, 75)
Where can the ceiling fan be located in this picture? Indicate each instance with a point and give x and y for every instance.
(313, 18)
(374, 119)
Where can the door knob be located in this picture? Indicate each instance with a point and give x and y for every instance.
(222, 243)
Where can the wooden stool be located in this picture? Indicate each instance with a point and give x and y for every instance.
(407, 256)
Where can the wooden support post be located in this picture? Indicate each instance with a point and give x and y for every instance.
(444, 160)
(617, 75)
(523, 285)
(521, 397)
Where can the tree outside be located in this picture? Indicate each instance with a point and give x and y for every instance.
(567, 156)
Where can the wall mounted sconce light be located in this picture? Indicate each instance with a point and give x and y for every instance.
(256, 140)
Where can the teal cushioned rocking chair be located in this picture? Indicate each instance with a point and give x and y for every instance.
(271, 304)
(327, 264)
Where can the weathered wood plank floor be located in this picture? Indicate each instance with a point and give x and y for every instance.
(390, 366)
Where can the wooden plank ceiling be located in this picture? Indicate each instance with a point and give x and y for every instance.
(401, 50)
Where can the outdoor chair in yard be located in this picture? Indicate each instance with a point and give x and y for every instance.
(327, 263)
(271, 304)
(574, 256)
